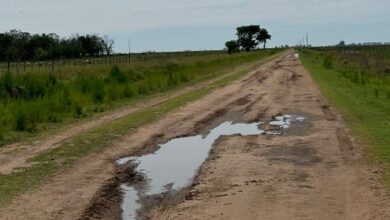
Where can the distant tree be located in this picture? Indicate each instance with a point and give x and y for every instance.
(247, 36)
(341, 44)
(13, 53)
(17, 49)
(40, 54)
(232, 46)
(263, 36)
(16, 46)
(108, 44)
(42, 46)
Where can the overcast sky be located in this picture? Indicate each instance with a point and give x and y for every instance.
(166, 25)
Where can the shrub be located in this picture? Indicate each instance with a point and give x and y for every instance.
(78, 110)
(98, 91)
(66, 96)
(20, 121)
(116, 75)
(128, 92)
(171, 80)
(184, 77)
(82, 82)
(328, 63)
(34, 87)
(136, 76)
(143, 89)
(114, 92)
(27, 118)
(51, 80)
(54, 118)
(232, 46)
(376, 92)
(6, 82)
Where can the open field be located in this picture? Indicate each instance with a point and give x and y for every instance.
(308, 168)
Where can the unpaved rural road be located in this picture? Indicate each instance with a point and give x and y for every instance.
(313, 171)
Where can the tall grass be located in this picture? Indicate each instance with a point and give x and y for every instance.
(32, 101)
(361, 96)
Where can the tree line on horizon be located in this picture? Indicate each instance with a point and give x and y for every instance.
(248, 38)
(17, 45)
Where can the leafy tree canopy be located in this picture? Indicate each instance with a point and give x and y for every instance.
(17, 45)
(247, 36)
(232, 46)
(263, 36)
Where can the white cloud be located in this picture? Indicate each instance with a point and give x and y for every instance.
(125, 16)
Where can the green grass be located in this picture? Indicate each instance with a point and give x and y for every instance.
(35, 101)
(362, 99)
(52, 161)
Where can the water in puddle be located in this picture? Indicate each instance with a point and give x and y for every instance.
(129, 206)
(284, 121)
(173, 166)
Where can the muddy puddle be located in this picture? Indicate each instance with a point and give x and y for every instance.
(282, 122)
(174, 165)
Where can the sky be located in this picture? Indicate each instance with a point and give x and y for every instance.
(173, 25)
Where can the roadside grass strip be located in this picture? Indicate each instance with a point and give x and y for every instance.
(365, 106)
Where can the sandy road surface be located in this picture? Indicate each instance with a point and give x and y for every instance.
(313, 171)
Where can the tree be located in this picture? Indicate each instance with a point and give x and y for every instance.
(263, 36)
(247, 36)
(40, 53)
(16, 46)
(108, 44)
(232, 46)
(341, 44)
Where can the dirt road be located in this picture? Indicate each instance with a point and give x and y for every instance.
(313, 171)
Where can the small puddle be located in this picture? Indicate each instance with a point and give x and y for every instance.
(173, 166)
(284, 121)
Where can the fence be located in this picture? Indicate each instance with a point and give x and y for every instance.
(375, 58)
(64, 64)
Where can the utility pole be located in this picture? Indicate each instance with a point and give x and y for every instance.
(304, 41)
(307, 40)
(129, 44)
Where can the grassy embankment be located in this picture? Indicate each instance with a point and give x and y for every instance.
(362, 97)
(36, 101)
(97, 139)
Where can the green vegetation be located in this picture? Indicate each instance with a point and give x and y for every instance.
(99, 138)
(232, 46)
(17, 45)
(248, 38)
(35, 101)
(262, 36)
(362, 93)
